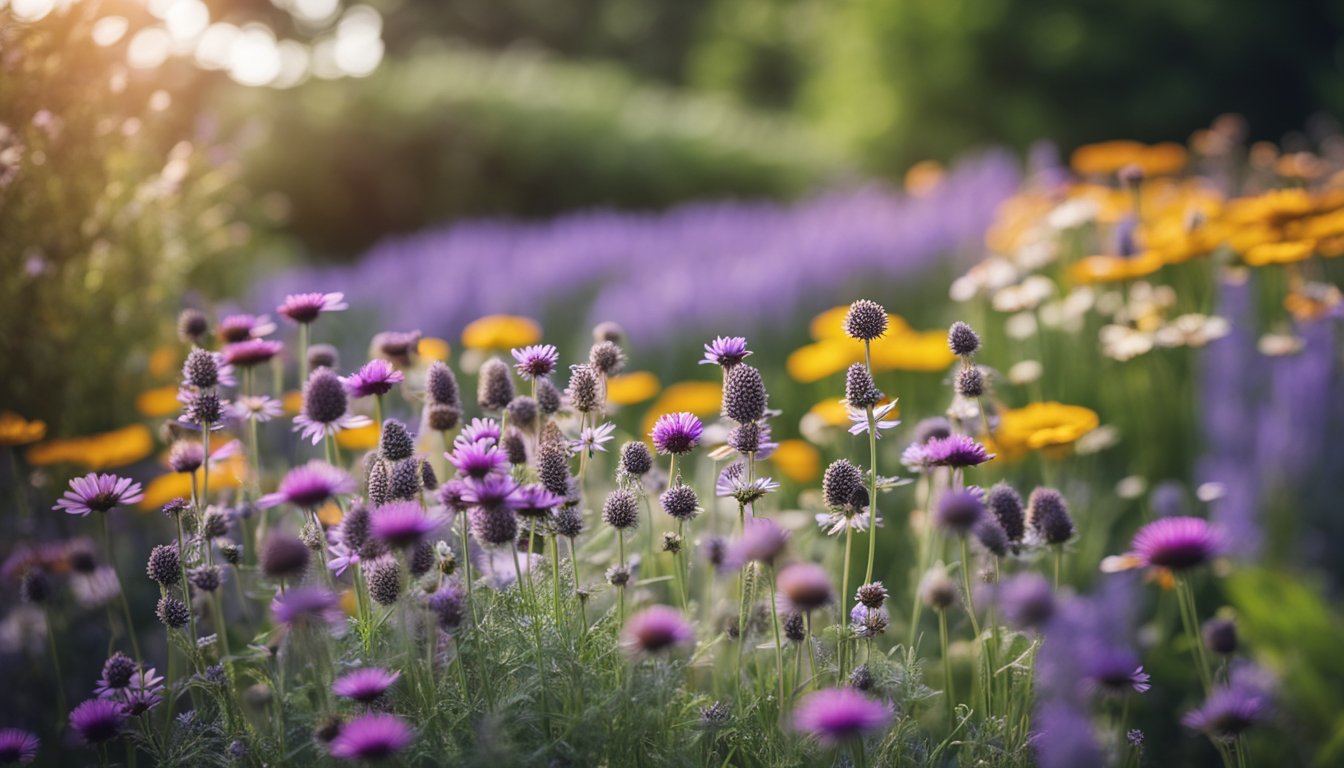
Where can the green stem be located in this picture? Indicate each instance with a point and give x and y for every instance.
(947, 670)
(872, 480)
(1190, 620)
(844, 604)
(303, 354)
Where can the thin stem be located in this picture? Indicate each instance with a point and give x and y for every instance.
(1190, 620)
(779, 647)
(466, 568)
(872, 468)
(620, 547)
(303, 354)
(947, 669)
(844, 603)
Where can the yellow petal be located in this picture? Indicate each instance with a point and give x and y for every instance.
(158, 402)
(631, 388)
(106, 450)
(292, 402)
(827, 357)
(163, 361)
(797, 460)
(501, 332)
(358, 439)
(925, 351)
(699, 397)
(432, 348)
(330, 513)
(16, 430)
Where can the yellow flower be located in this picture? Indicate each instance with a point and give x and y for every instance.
(102, 451)
(16, 430)
(702, 398)
(1047, 425)
(432, 348)
(924, 351)
(224, 475)
(816, 361)
(1279, 253)
(831, 412)
(349, 603)
(163, 361)
(797, 460)
(292, 402)
(831, 324)
(359, 439)
(158, 402)
(501, 332)
(1107, 157)
(631, 388)
(1112, 269)
(330, 513)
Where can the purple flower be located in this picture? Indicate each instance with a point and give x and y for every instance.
(144, 693)
(1064, 737)
(478, 459)
(309, 486)
(364, 685)
(956, 451)
(656, 628)
(1026, 600)
(340, 557)
(325, 407)
(593, 438)
(958, 512)
(805, 587)
(492, 492)
(1174, 543)
(374, 736)
(97, 720)
(236, 328)
(762, 541)
(726, 351)
(252, 352)
(860, 419)
(1112, 670)
(402, 523)
(536, 501)
(258, 407)
(99, 493)
(867, 622)
(376, 377)
(479, 430)
(304, 308)
(836, 715)
(17, 746)
(676, 433)
(306, 604)
(1229, 710)
(536, 361)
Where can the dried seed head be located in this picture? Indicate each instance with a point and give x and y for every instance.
(680, 502)
(164, 566)
(583, 389)
(962, 340)
(441, 385)
(872, 595)
(1049, 516)
(866, 320)
(494, 385)
(621, 510)
(172, 612)
(744, 397)
(607, 358)
(839, 482)
(201, 369)
(396, 442)
(548, 397)
(383, 575)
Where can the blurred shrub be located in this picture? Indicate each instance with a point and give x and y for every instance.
(447, 133)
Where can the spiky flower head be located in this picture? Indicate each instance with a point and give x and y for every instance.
(937, 590)
(840, 715)
(583, 390)
(323, 356)
(397, 347)
(304, 308)
(762, 541)
(744, 397)
(680, 502)
(325, 407)
(609, 330)
(970, 382)
(873, 595)
(860, 390)
(442, 418)
(449, 603)
(372, 737)
(672, 542)
(866, 320)
(383, 575)
(376, 377)
(204, 409)
(805, 586)
(1229, 711)
(494, 385)
(1006, 505)
(1220, 636)
(553, 467)
(1026, 600)
(991, 536)
(429, 479)
(839, 483)
(284, 556)
(656, 629)
(962, 340)
(861, 678)
(567, 522)
(522, 413)
(421, 559)
(205, 577)
(403, 480)
(636, 460)
(441, 385)
(494, 526)
(173, 613)
(396, 442)
(795, 628)
(99, 493)
(1049, 516)
(958, 512)
(956, 451)
(621, 510)
(607, 358)
(618, 575)
(402, 524)
(97, 720)
(231, 551)
(192, 325)
(364, 685)
(309, 486)
(186, 456)
(548, 397)
(164, 565)
(1176, 543)
(201, 369)
(676, 433)
(726, 351)
(868, 623)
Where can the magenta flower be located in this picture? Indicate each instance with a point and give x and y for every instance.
(17, 746)
(304, 308)
(1229, 710)
(364, 685)
(836, 715)
(536, 501)
(762, 541)
(535, 362)
(1174, 543)
(306, 604)
(656, 628)
(376, 377)
(236, 328)
(402, 523)
(99, 493)
(804, 586)
(479, 430)
(309, 486)
(374, 736)
(251, 352)
(726, 351)
(97, 720)
(955, 451)
(676, 433)
(493, 492)
(478, 460)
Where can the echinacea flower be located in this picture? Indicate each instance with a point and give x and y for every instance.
(677, 433)
(956, 451)
(375, 736)
(536, 361)
(594, 438)
(726, 351)
(99, 493)
(302, 605)
(655, 629)
(860, 419)
(304, 308)
(376, 377)
(836, 715)
(402, 523)
(17, 746)
(97, 720)
(1173, 543)
(478, 460)
(310, 485)
(364, 685)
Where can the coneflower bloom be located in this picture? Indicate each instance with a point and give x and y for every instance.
(235, 328)
(306, 605)
(309, 486)
(655, 629)
(860, 419)
(837, 715)
(259, 408)
(956, 451)
(1173, 543)
(478, 460)
(676, 433)
(99, 493)
(491, 492)
(479, 430)
(535, 362)
(364, 685)
(97, 720)
(376, 377)
(594, 438)
(726, 351)
(372, 737)
(252, 352)
(402, 523)
(304, 308)
(17, 746)
(325, 408)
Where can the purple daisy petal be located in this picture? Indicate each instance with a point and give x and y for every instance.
(364, 685)
(99, 493)
(376, 377)
(372, 737)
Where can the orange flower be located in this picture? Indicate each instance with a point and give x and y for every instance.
(1112, 269)
(922, 351)
(228, 473)
(16, 430)
(797, 460)
(96, 452)
(158, 402)
(501, 332)
(631, 388)
(1107, 157)
(1042, 426)
(363, 438)
(1288, 252)
(432, 348)
(924, 177)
